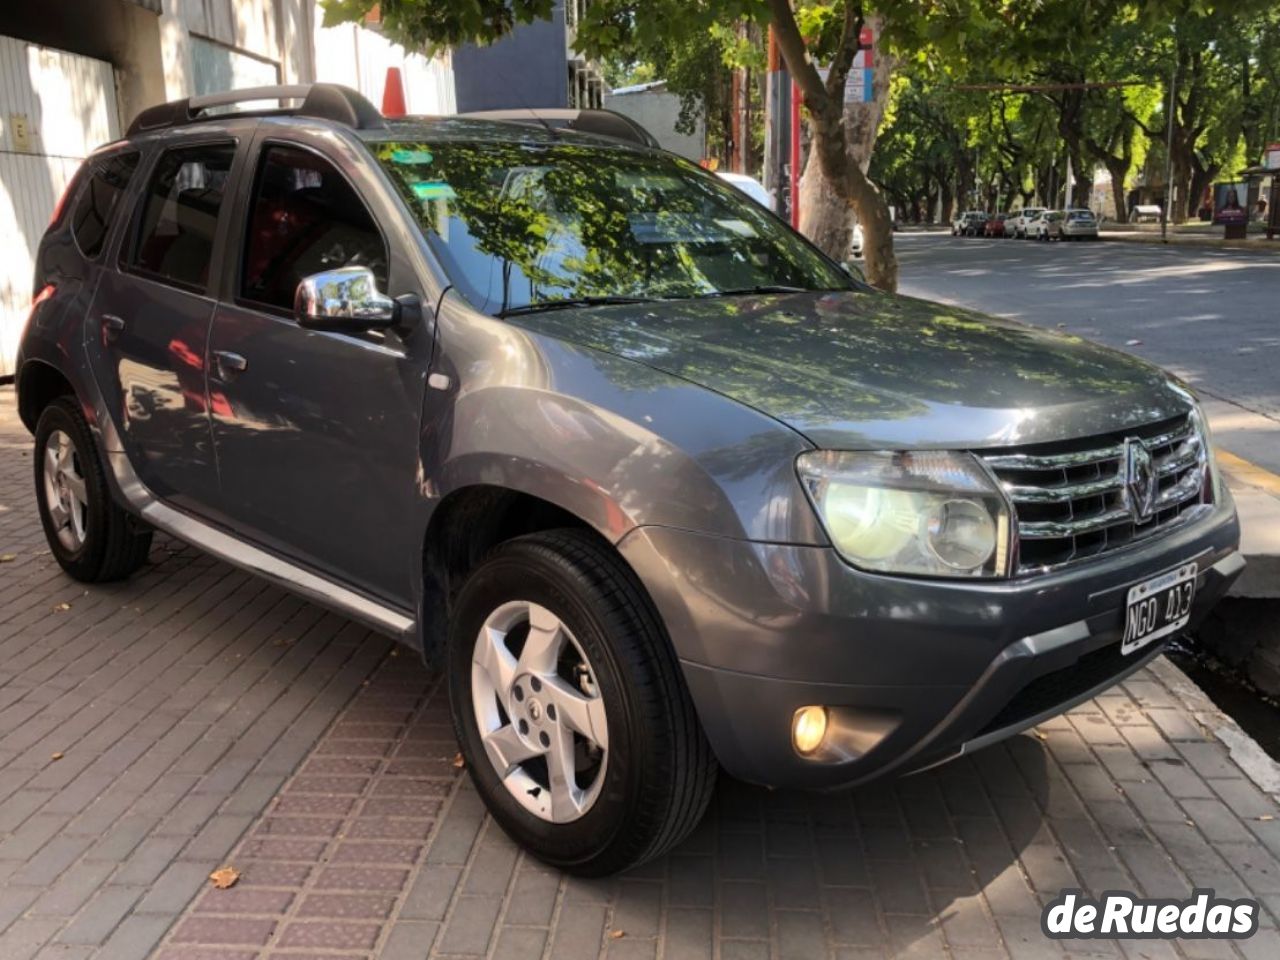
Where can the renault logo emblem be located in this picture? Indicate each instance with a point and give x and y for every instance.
(1140, 486)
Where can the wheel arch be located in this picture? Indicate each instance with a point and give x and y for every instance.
(464, 527)
(38, 384)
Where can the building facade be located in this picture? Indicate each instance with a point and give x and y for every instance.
(74, 73)
(533, 66)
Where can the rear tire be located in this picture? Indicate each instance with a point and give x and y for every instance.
(92, 538)
(641, 773)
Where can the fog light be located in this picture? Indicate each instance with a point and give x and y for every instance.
(808, 727)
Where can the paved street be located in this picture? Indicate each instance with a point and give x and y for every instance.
(1212, 316)
(194, 717)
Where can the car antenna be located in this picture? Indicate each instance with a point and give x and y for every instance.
(524, 104)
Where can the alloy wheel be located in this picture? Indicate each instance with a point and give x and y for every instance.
(65, 492)
(539, 711)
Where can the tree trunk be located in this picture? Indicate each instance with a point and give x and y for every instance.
(1119, 169)
(827, 214)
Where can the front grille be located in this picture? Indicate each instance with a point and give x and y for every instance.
(1052, 690)
(1070, 501)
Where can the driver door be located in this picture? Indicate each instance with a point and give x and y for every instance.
(316, 432)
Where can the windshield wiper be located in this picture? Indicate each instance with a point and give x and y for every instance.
(759, 288)
(569, 302)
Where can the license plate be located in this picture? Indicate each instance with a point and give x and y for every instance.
(1159, 607)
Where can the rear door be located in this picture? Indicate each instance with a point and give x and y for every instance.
(150, 318)
(316, 432)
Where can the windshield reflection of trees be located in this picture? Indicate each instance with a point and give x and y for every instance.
(520, 223)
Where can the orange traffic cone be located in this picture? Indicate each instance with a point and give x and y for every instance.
(393, 94)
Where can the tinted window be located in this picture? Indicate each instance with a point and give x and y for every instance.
(521, 224)
(91, 218)
(305, 219)
(180, 213)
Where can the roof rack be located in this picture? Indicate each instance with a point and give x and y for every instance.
(324, 101)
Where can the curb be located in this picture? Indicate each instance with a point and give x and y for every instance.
(1204, 243)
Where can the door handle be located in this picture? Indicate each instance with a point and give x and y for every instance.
(112, 327)
(230, 364)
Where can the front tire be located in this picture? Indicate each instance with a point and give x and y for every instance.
(89, 535)
(570, 708)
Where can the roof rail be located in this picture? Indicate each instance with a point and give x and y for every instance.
(603, 123)
(324, 101)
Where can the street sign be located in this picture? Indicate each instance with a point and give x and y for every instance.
(858, 87)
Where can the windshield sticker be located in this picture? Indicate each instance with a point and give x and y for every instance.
(433, 190)
(411, 156)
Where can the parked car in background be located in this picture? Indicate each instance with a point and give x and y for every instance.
(752, 187)
(1045, 225)
(995, 226)
(969, 224)
(655, 484)
(855, 244)
(1020, 220)
(1079, 225)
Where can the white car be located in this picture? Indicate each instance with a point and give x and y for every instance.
(1079, 224)
(1016, 225)
(1047, 225)
(855, 246)
(752, 187)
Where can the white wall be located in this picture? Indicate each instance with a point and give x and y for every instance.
(359, 58)
(66, 106)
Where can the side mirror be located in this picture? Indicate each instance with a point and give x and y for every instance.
(343, 299)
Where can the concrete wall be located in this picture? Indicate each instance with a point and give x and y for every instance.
(657, 111)
(528, 68)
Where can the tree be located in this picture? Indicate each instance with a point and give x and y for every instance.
(841, 139)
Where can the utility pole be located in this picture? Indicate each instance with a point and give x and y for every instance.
(1168, 149)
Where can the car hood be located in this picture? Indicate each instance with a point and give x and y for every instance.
(861, 370)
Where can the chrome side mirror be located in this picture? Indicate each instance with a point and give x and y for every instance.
(343, 299)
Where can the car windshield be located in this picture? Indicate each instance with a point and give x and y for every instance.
(519, 226)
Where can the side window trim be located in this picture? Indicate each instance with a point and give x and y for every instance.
(240, 252)
(129, 236)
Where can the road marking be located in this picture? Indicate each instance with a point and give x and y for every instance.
(1249, 473)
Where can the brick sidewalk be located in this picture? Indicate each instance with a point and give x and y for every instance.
(206, 719)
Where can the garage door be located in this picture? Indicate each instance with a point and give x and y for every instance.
(55, 108)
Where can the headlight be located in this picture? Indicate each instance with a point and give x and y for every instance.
(930, 513)
(1212, 489)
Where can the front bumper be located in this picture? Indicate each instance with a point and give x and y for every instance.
(912, 671)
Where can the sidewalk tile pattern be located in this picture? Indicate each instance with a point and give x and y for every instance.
(356, 836)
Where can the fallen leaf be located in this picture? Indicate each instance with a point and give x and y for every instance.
(56, 756)
(224, 877)
(1042, 735)
(8, 557)
(1189, 822)
(1266, 816)
(62, 606)
(458, 761)
(617, 934)
(1133, 343)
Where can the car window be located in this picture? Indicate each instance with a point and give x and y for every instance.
(305, 218)
(521, 224)
(180, 210)
(91, 218)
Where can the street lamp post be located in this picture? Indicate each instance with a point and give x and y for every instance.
(1168, 151)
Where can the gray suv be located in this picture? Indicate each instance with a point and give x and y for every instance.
(658, 486)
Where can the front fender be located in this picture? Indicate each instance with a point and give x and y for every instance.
(614, 442)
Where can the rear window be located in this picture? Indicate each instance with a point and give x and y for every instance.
(91, 219)
(1080, 215)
